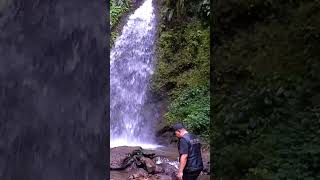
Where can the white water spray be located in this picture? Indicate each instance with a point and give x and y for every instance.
(131, 66)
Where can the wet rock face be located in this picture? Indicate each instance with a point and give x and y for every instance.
(158, 169)
(149, 165)
(165, 135)
(122, 157)
(53, 83)
(168, 169)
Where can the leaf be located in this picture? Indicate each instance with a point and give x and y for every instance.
(267, 101)
(170, 14)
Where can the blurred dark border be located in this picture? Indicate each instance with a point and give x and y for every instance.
(265, 89)
(54, 84)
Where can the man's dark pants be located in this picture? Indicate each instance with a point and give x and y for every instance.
(190, 175)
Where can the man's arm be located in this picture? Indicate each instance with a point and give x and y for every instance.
(183, 162)
(183, 150)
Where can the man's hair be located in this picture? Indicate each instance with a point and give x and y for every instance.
(178, 126)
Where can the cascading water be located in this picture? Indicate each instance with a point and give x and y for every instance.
(131, 66)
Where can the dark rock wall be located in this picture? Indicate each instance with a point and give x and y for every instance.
(54, 90)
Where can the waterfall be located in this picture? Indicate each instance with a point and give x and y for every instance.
(131, 66)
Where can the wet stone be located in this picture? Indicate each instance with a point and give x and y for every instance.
(122, 157)
(149, 164)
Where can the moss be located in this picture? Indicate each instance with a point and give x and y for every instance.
(118, 8)
(183, 59)
(114, 36)
(183, 71)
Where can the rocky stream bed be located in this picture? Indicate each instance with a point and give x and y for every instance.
(142, 164)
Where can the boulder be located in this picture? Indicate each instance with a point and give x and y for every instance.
(148, 153)
(204, 177)
(138, 174)
(159, 169)
(122, 157)
(168, 169)
(163, 177)
(206, 167)
(132, 167)
(149, 164)
(206, 161)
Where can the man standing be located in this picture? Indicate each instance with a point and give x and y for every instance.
(190, 158)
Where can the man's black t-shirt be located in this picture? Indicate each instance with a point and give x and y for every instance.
(183, 146)
(190, 145)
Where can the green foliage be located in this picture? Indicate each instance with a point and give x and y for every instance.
(117, 9)
(273, 127)
(266, 103)
(182, 71)
(174, 12)
(204, 9)
(114, 35)
(116, 13)
(183, 59)
(192, 108)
